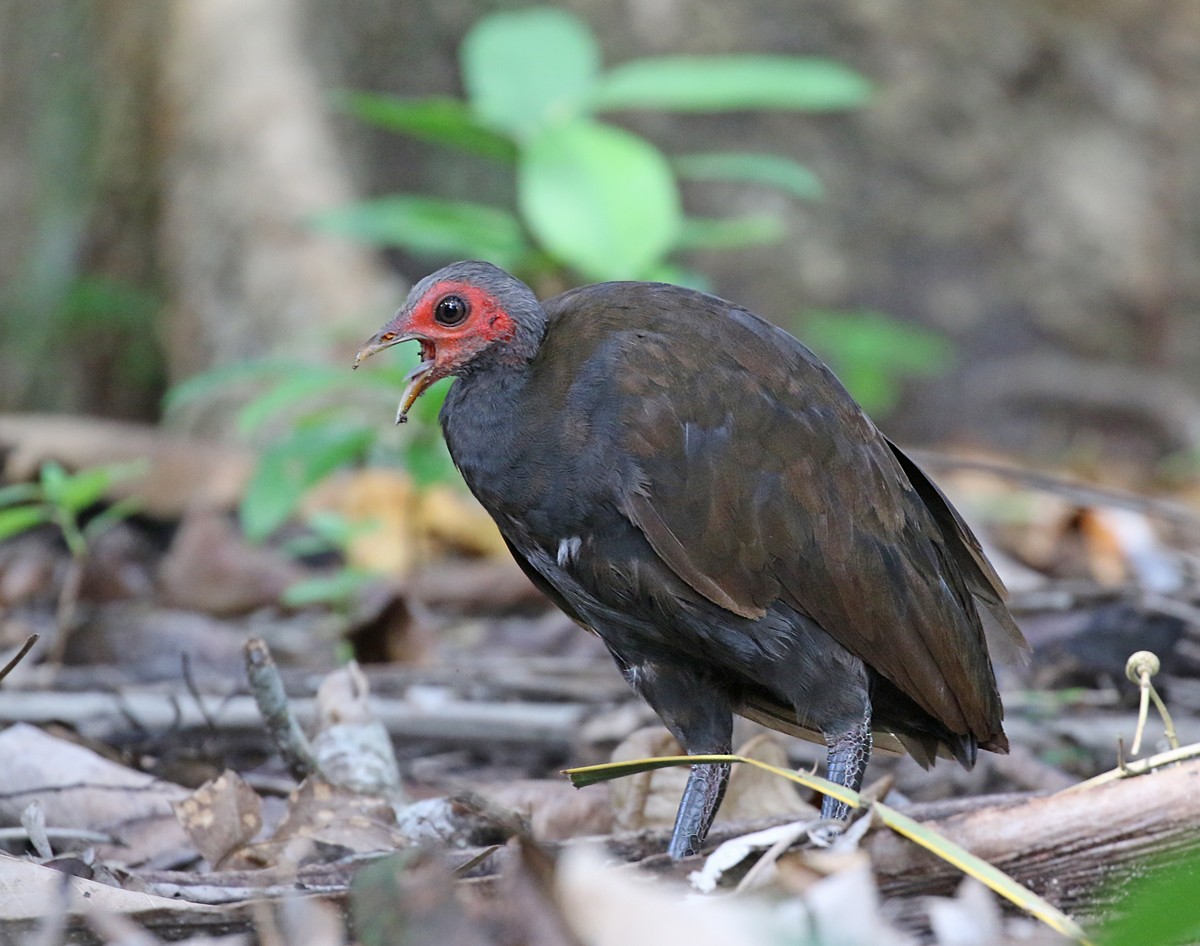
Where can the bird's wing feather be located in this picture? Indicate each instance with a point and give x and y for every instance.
(759, 479)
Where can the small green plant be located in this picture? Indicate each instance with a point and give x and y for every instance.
(60, 499)
(317, 419)
(589, 195)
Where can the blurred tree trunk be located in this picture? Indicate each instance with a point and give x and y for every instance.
(247, 156)
(165, 159)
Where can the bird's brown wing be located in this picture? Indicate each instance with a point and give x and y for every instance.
(759, 480)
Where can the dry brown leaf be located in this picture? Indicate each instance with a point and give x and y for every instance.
(210, 567)
(79, 789)
(150, 643)
(334, 820)
(554, 808)
(486, 586)
(221, 817)
(32, 891)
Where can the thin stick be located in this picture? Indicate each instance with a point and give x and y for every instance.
(19, 656)
(285, 731)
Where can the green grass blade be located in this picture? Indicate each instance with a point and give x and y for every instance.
(926, 837)
(20, 519)
(981, 870)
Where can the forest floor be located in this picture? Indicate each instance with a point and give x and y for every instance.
(415, 793)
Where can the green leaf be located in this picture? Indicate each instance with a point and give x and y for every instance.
(383, 901)
(217, 381)
(336, 589)
(768, 170)
(873, 353)
(598, 198)
(1158, 906)
(529, 69)
(54, 481)
(702, 234)
(75, 492)
(118, 511)
(731, 83)
(293, 392)
(101, 302)
(442, 121)
(290, 467)
(20, 519)
(431, 226)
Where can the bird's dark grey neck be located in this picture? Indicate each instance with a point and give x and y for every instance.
(477, 417)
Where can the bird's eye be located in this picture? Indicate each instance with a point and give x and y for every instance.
(451, 310)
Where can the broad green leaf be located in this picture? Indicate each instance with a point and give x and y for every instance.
(529, 69)
(329, 531)
(767, 170)
(873, 353)
(600, 199)
(20, 519)
(1158, 906)
(704, 234)
(731, 83)
(442, 121)
(289, 467)
(432, 227)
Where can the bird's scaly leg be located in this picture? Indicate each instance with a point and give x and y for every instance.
(849, 752)
(701, 798)
(697, 711)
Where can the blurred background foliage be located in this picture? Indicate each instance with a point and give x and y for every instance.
(983, 217)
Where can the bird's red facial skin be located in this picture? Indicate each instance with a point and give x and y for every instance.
(452, 346)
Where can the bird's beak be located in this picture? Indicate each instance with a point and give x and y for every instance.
(418, 379)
